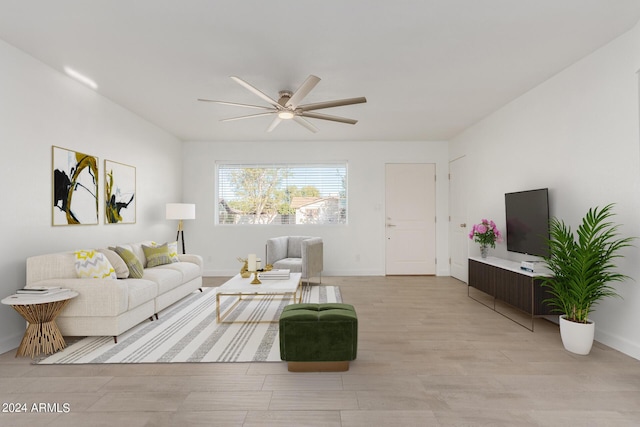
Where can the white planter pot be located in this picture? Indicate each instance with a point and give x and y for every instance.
(577, 337)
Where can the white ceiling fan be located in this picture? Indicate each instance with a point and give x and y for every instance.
(288, 106)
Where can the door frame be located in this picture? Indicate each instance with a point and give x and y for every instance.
(455, 222)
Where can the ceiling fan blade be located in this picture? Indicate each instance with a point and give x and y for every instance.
(250, 116)
(235, 104)
(305, 123)
(276, 121)
(302, 91)
(330, 104)
(257, 92)
(328, 117)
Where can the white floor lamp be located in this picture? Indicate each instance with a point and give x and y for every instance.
(181, 211)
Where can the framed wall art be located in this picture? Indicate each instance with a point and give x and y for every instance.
(75, 187)
(120, 193)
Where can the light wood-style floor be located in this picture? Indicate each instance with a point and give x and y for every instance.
(428, 356)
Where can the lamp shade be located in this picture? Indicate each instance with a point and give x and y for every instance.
(181, 211)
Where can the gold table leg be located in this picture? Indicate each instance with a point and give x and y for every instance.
(221, 316)
(42, 334)
(288, 295)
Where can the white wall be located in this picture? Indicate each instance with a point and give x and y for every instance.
(354, 249)
(576, 134)
(40, 107)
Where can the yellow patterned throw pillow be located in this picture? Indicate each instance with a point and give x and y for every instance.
(173, 251)
(93, 264)
(156, 255)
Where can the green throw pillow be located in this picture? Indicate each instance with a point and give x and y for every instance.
(136, 271)
(157, 255)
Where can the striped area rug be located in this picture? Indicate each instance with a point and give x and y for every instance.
(187, 332)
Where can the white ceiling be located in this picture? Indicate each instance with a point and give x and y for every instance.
(429, 68)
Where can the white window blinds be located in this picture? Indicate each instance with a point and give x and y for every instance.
(282, 193)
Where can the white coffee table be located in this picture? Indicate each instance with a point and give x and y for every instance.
(240, 287)
(40, 311)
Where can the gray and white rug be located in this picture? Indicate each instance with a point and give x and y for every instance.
(187, 332)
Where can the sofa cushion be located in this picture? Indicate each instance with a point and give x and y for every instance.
(140, 291)
(93, 264)
(167, 279)
(293, 264)
(156, 255)
(188, 270)
(122, 271)
(136, 271)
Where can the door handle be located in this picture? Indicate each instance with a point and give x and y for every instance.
(391, 225)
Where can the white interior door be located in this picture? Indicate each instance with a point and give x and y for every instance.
(458, 228)
(410, 218)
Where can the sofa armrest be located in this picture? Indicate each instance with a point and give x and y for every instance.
(276, 249)
(196, 259)
(192, 258)
(96, 297)
(51, 266)
(312, 257)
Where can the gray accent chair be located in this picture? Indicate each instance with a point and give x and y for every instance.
(300, 254)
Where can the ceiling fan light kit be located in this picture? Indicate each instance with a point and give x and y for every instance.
(288, 106)
(286, 115)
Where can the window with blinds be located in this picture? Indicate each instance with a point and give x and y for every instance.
(281, 193)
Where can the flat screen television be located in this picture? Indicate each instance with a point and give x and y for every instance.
(527, 214)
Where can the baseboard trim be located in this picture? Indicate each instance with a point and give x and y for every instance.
(11, 343)
(622, 345)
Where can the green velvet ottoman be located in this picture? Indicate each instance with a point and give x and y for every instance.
(318, 337)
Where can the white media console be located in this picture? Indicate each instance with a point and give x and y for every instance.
(504, 281)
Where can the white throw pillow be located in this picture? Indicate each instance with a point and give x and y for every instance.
(173, 251)
(118, 264)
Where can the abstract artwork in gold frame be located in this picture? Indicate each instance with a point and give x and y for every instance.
(75, 187)
(120, 193)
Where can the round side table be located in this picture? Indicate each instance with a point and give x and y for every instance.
(40, 311)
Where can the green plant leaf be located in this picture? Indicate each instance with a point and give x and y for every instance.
(582, 265)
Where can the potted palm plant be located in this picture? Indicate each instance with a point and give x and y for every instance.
(582, 271)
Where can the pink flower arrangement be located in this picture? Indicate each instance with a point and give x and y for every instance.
(486, 233)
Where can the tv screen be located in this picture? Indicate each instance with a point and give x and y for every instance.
(527, 214)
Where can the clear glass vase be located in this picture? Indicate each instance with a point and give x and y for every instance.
(484, 251)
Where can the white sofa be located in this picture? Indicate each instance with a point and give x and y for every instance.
(301, 254)
(109, 307)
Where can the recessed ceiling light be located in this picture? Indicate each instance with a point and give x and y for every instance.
(81, 78)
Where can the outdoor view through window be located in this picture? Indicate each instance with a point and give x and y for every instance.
(282, 194)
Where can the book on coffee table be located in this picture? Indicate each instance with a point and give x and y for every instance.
(275, 274)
